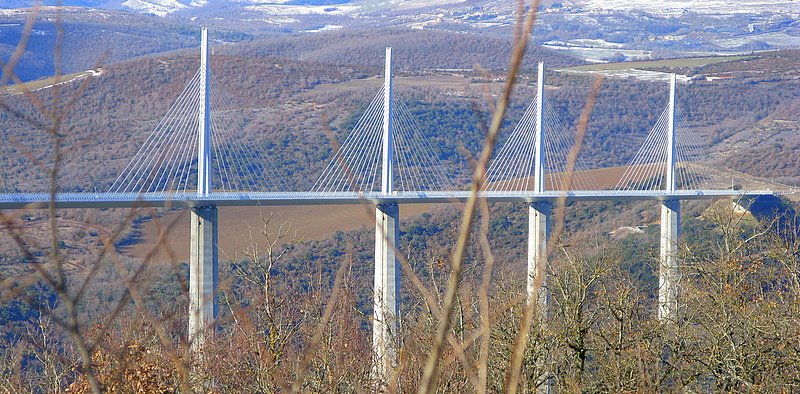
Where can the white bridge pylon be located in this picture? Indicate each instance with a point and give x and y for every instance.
(201, 123)
(385, 152)
(534, 157)
(669, 159)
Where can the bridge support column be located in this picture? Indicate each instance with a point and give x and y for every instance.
(669, 274)
(538, 236)
(386, 308)
(203, 274)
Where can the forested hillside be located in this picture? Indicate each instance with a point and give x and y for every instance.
(90, 38)
(279, 105)
(414, 49)
(296, 314)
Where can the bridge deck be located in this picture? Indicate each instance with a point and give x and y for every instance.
(103, 200)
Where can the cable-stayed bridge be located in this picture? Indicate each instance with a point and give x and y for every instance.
(197, 157)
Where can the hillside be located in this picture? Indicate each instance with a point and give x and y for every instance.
(130, 97)
(85, 306)
(415, 49)
(590, 30)
(124, 103)
(90, 38)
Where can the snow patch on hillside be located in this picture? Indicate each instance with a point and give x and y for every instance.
(277, 9)
(262, 1)
(415, 4)
(675, 7)
(10, 12)
(776, 39)
(162, 7)
(325, 28)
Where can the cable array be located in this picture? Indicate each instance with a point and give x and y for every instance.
(648, 168)
(240, 164)
(356, 166)
(513, 167)
(691, 174)
(167, 160)
(559, 141)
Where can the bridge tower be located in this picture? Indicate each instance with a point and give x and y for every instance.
(538, 212)
(203, 254)
(669, 274)
(386, 288)
(539, 224)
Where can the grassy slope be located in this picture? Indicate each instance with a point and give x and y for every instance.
(44, 83)
(658, 64)
(311, 223)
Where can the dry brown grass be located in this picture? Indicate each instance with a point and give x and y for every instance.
(313, 222)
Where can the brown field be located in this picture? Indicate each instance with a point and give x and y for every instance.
(49, 82)
(656, 64)
(314, 222)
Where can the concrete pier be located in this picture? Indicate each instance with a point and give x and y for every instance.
(203, 252)
(539, 227)
(669, 274)
(539, 212)
(386, 292)
(538, 236)
(203, 274)
(386, 308)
